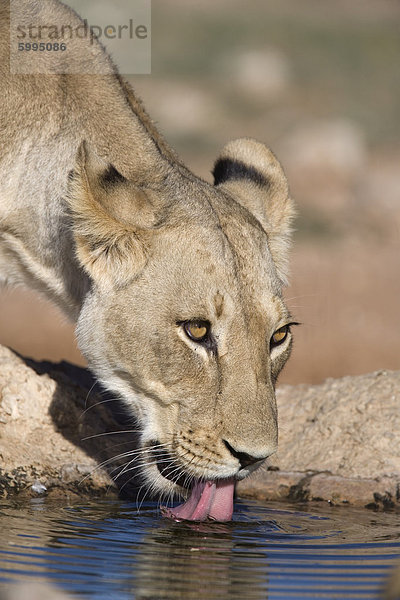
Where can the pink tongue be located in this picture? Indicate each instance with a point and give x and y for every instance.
(213, 499)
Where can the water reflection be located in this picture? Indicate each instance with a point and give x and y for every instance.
(109, 550)
(199, 561)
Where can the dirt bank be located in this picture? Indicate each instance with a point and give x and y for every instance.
(339, 441)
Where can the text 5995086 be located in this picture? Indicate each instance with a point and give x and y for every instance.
(42, 46)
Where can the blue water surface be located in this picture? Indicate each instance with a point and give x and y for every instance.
(109, 549)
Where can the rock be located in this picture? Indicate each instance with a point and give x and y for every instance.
(47, 414)
(349, 426)
(339, 441)
(342, 440)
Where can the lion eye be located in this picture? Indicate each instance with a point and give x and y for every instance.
(280, 335)
(197, 331)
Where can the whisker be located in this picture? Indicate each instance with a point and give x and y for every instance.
(97, 404)
(302, 296)
(137, 451)
(127, 467)
(150, 488)
(137, 498)
(88, 394)
(96, 435)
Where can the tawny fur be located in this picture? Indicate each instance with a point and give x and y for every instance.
(99, 215)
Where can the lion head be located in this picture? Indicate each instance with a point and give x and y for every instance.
(185, 318)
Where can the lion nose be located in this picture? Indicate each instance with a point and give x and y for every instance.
(245, 459)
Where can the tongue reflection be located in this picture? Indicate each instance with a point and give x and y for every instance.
(209, 499)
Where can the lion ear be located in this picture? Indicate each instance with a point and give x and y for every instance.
(251, 174)
(101, 201)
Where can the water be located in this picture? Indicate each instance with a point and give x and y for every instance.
(109, 550)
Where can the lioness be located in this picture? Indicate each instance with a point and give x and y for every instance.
(175, 284)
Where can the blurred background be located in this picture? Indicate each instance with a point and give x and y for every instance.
(318, 82)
